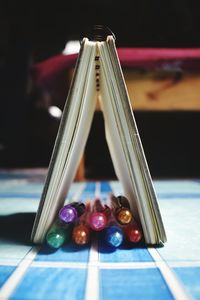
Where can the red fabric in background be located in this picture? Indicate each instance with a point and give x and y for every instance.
(46, 72)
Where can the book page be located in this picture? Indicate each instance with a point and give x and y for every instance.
(73, 132)
(125, 145)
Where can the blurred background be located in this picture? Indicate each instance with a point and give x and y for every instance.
(165, 93)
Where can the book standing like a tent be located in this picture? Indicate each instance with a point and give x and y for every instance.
(98, 75)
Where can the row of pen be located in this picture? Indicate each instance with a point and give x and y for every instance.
(78, 221)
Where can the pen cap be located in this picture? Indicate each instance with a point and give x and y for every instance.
(98, 221)
(70, 212)
(114, 236)
(81, 234)
(121, 209)
(57, 234)
(133, 233)
(100, 216)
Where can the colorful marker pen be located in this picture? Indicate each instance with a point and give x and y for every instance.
(58, 234)
(121, 209)
(81, 231)
(71, 212)
(133, 233)
(99, 216)
(114, 235)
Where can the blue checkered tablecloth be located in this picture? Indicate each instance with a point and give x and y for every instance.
(97, 272)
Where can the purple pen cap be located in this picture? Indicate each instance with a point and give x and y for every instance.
(68, 214)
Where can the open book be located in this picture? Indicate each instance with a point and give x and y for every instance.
(98, 75)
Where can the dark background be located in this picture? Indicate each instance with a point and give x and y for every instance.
(32, 32)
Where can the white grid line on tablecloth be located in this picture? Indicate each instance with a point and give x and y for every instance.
(172, 282)
(9, 286)
(174, 285)
(12, 282)
(92, 281)
(103, 265)
(93, 263)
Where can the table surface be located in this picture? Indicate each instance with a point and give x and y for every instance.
(97, 272)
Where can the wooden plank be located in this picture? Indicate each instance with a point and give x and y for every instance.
(151, 92)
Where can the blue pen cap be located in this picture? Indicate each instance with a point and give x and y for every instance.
(114, 236)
